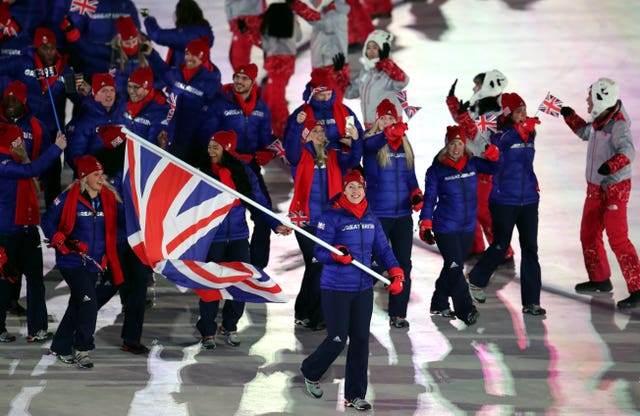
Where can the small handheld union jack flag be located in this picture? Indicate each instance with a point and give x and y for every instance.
(83, 7)
(487, 123)
(410, 111)
(298, 218)
(277, 147)
(551, 105)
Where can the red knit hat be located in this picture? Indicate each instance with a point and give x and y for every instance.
(142, 76)
(386, 107)
(227, 139)
(10, 135)
(511, 101)
(112, 136)
(309, 124)
(43, 36)
(455, 132)
(250, 70)
(18, 90)
(5, 12)
(321, 80)
(87, 164)
(200, 48)
(354, 176)
(126, 27)
(100, 81)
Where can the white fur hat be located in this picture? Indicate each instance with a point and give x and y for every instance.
(378, 36)
(493, 85)
(604, 94)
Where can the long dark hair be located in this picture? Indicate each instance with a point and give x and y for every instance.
(188, 12)
(238, 174)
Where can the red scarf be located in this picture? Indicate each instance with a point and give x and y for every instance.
(27, 207)
(248, 105)
(304, 179)
(189, 73)
(60, 64)
(224, 175)
(459, 165)
(340, 114)
(108, 200)
(330, 7)
(135, 108)
(356, 209)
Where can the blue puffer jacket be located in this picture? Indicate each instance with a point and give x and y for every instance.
(388, 188)
(176, 39)
(189, 101)
(10, 172)
(319, 193)
(253, 131)
(450, 197)
(150, 121)
(234, 226)
(89, 228)
(362, 237)
(81, 131)
(323, 112)
(515, 182)
(26, 124)
(97, 30)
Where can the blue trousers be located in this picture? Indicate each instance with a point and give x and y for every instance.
(399, 231)
(308, 304)
(504, 218)
(236, 250)
(347, 314)
(24, 252)
(454, 248)
(133, 290)
(79, 321)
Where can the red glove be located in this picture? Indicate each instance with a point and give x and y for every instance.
(417, 199)
(11, 28)
(112, 136)
(526, 127)
(395, 133)
(6, 269)
(77, 246)
(57, 242)
(70, 32)
(264, 156)
(396, 275)
(426, 233)
(344, 258)
(492, 152)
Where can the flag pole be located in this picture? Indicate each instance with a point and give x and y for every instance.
(222, 187)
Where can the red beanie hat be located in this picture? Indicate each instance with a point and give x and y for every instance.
(250, 70)
(17, 89)
(227, 139)
(87, 164)
(10, 135)
(100, 81)
(43, 36)
(126, 27)
(354, 176)
(321, 80)
(200, 48)
(455, 132)
(309, 124)
(112, 136)
(142, 76)
(511, 101)
(386, 107)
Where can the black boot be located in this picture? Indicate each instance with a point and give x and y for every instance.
(591, 287)
(633, 301)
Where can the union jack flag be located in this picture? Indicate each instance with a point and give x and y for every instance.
(409, 110)
(487, 123)
(172, 215)
(551, 105)
(278, 148)
(298, 218)
(83, 7)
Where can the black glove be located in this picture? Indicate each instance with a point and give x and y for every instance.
(566, 111)
(384, 52)
(488, 104)
(452, 90)
(604, 169)
(290, 2)
(464, 107)
(242, 25)
(338, 61)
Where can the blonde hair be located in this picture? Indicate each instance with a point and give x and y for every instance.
(106, 184)
(442, 154)
(118, 53)
(383, 156)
